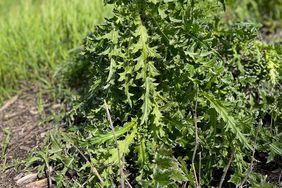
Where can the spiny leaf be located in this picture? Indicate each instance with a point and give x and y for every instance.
(111, 69)
(112, 36)
(272, 66)
(141, 32)
(109, 136)
(141, 149)
(147, 105)
(231, 124)
(123, 147)
(275, 149)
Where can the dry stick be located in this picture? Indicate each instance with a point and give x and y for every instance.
(250, 169)
(8, 103)
(200, 165)
(92, 166)
(226, 169)
(10, 116)
(48, 175)
(126, 180)
(128, 183)
(197, 141)
(116, 142)
(279, 179)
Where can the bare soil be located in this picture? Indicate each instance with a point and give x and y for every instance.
(20, 118)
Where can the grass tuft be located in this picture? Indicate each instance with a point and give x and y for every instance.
(36, 36)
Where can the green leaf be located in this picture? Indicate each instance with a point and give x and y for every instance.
(5, 141)
(112, 36)
(101, 138)
(123, 148)
(168, 171)
(154, 1)
(274, 147)
(231, 124)
(141, 149)
(147, 105)
(141, 32)
(111, 69)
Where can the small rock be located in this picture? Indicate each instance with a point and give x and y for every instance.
(38, 184)
(26, 179)
(18, 176)
(25, 148)
(55, 106)
(33, 112)
(42, 135)
(277, 171)
(22, 131)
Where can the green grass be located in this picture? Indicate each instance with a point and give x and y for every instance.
(36, 36)
(266, 12)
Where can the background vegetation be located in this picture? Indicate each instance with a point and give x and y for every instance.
(180, 93)
(38, 35)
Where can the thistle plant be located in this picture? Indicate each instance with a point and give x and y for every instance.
(193, 96)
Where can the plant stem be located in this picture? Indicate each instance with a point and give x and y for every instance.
(226, 169)
(116, 142)
(92, 166)
(200, 165)
(252, 160)
(196, 140)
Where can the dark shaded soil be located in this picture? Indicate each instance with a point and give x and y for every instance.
(272, 171)
(21, 120)
(272, 37)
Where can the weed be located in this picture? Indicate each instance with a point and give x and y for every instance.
(5, 142)
(186, 91)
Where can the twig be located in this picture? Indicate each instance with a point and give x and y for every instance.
(226, 169)
(92, 166)
(128, 183)
(197, 141)
(8, 103)
(10, 116)
(279, 179)
(249, 171)
(48, 173)
(116, 142)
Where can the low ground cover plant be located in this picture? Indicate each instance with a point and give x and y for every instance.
(171, 94)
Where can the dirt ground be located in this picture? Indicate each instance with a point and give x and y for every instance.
(19, 118)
